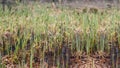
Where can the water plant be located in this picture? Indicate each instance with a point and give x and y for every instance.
(34, 32)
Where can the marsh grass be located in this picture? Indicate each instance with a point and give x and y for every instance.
(36, 29)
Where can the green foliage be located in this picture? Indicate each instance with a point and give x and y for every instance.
(39, 27)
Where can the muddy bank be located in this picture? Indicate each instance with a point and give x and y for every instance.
(85, 3)
(71, 3)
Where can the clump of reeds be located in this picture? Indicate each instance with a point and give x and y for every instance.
(30, 37)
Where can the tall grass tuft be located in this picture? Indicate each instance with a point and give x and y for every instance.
(34, 30)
